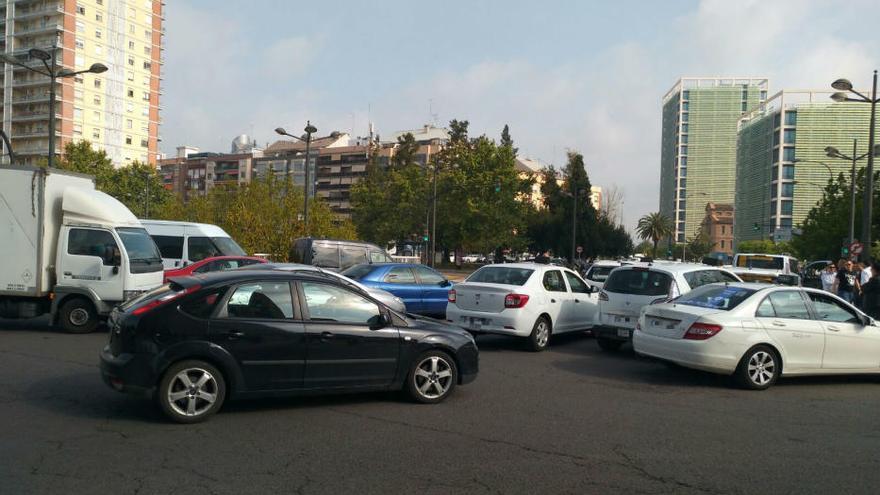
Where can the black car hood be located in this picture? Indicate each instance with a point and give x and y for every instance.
(434, 325)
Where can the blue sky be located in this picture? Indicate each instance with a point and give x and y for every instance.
(585, 75)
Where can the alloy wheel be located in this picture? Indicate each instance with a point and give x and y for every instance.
(542, 333)
(192, 392)
(761, 368)
(433, 377)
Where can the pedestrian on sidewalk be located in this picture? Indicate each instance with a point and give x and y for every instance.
(846, 280)
(827, 278)
(871, 293)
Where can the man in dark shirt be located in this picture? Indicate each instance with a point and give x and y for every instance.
(543, 258)
(871, 293)
(847, 280)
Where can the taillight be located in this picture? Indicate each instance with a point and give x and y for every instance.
(702, 331)
(603, 296)
(450, 296)
(167, 298)
(515, 300)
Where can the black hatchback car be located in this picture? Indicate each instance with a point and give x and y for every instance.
(197, 341)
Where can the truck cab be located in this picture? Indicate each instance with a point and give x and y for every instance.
(767, 268)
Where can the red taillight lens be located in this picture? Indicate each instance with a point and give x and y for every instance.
(603, 296)
(515, 300)
(167, 298)
(702, 331)
(450, 296)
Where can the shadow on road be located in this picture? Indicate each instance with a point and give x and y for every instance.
(566, 341)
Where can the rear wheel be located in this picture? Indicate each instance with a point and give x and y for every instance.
(540, 336)
(191, 391)
(78, 315)
(432, 377)
(607, 344)
(758, 369)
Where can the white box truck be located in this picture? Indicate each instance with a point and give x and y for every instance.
(69, 250)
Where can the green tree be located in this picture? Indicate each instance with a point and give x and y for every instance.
(765, 246)
(140, 188)
(79, 156)
(653, 227)
(407, 149)
(506, 140)
(700, 245)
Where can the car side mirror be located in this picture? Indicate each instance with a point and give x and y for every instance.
(115, 270)
(594, 289)
(380, 321)
(444, 283)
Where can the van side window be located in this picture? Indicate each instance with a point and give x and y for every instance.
(88, 242)
(352, 255)
(325, 255)
(171, 246)
(199, 248)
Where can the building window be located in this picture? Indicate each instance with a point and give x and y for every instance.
(80, 9)
(684, 150)
(790, 118)
(128, 123)
(144, 143)
(146, 96)
(685, 94)
(129, 107)
(683, 161)
(97, 99)
(96, 114)
(788, 136)
(96, 133)
(787, 190)
(682, 172)
(98, 33)
(97, 83)
(682, 183)
(78, 93)
(763, 94)
(79, 43)
(130, 60)
(130, 93)
(80, 27)
(680, 238)
(127, 139)
(777, 119)
(775, 139)
(147, 65)
(130, 76)
(722, 242)
(147, 50)
(684, 138)
(131, 28)
(681, 204)
(745, 106)
(788, 154)
(773, 191)
(786, 207)
(722, 231)
(77, 129)
(684, 128)
(131, 45)
(99, 17)
(684, 117)
(77, 113)
(99, 2)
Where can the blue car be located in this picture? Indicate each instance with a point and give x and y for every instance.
(423, 289)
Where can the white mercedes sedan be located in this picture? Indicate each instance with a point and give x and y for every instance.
(759, 332)
(525, 300)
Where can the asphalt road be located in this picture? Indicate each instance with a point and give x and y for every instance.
(569, 420)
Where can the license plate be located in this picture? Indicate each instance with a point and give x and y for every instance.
(622, 333)
(476, 323)
(621, 319)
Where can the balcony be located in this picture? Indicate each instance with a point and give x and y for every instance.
(49, 27)
(29, 12)
(30, 82)
(33, 116)
(18, 100)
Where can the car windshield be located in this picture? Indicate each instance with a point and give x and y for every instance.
(715, 296)
(639, 281)
(227, 246)
(599, 273)
(501, 275)
(358, 272)
(138, 244)
(760, 262)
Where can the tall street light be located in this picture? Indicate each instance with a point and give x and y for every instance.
(53, 73)
(845, 87)
(310, 129)
(832, 152)
(575, 195)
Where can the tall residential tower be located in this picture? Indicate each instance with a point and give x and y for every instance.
(698, 146)
(117, 111)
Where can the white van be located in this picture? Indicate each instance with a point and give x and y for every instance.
(182, 243)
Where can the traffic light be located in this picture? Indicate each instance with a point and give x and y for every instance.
(844, 251)
(425, 236)
(669, 253)
(498, 186)
(756, 227)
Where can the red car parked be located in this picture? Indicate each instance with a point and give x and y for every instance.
(214, 264)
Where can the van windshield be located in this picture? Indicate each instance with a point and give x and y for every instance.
(228, 247)
(143, 254)
(760, 262)
(638, 281)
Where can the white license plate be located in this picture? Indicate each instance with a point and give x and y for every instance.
(476, 323)
(622, 333)
(621, 319)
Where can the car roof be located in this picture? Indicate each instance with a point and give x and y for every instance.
(527, 264)
(229, 276)
(671, 267)
(606, 263)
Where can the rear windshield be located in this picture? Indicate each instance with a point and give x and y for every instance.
(715, 296)
(760, 262)
(501, 275)
(599, 273)
(640, 282)
(358, 272)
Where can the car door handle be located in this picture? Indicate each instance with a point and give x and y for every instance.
(553, 300)
(577, 300)
(833, 329)
(327, 335)
(234, 335)
(67, 274)
(778, 324)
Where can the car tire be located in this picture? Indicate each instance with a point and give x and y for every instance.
(607, 344)
(78, 315)
(191, 391)
(539, 339)
(432, 377)
(758, 369)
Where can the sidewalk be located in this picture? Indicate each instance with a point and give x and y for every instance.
(455, 275)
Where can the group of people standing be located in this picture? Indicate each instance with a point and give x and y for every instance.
(856, 283)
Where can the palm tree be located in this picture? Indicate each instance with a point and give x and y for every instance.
(653, 227)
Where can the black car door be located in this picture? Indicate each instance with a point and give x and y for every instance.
(345, 347)
(259, 324)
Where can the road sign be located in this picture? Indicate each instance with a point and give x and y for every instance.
(579, 249)
(856, 248)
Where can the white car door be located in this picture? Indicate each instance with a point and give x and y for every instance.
(784, 315)
(558, 299)
(583, 301)
(91, 259)
(848, 343)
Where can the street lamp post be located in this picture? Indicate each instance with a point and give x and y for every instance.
(833, 152)
(575, 195)
(309, 129)
(53, 73)
(844, 86)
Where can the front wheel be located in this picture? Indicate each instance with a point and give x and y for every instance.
(432, 377)
(540, 336)
(758, 369)
(191, 391)
(78, 315)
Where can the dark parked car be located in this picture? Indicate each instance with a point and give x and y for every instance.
(424, 290)
(336, 255)
(199, 340)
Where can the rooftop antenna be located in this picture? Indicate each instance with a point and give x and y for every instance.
(432, 117)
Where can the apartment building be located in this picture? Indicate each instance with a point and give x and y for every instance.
(118, 110)
(698, 145)
(718, 227)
